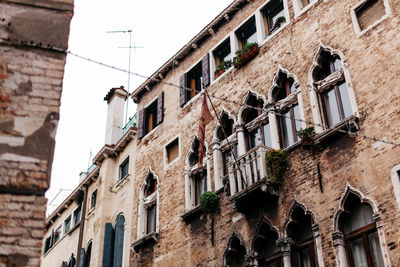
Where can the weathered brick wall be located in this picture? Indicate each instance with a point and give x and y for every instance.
(30, 92)
(361, 163)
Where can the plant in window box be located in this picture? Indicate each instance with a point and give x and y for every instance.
(277, 163)
(249, 51)
(278, 23)
(305, 135)
(209, 201)
(226, 64)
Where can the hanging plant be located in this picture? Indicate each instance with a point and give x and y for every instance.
(209, 201)
(305, 135)
(277, 163)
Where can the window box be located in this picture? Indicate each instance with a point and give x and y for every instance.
(249, 51)
(149, 239)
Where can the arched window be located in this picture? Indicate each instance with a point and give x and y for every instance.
(264, 244)
(359, 228)
(88, 255)
(286, 98)
(300, 231)
(226, 130)
(332, 99)
(234, 255)
(197, 178)
(119, 240)
(148, 209)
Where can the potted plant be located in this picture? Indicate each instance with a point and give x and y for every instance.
(305, 135)
(248, 52)
(278, 22)
(277, 163)
(226, 64)
(209, 201)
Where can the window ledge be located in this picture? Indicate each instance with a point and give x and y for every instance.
(222, 75)
(90, 212)
(269, 37)
(360, 33)
(350, 123)
(116, 187)
(192, 100)
(305, 9)
(192, 213)
(150, 238)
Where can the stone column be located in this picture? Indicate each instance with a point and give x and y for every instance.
(285, 244)
(273, 124)
(318, 245)
(241, 139)
(218, 164)
(339, 245)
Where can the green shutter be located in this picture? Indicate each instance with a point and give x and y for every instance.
(108, 251)
(119, 240)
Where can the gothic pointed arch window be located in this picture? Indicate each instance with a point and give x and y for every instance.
(235, 253)
(300, 230)
(332, 97)
(226, 129)
(286, 97)
(148, 206)
(358, 225)
(197, 176)
(264, 244)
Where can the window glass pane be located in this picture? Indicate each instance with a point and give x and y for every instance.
(151, 219)
(357, 249)
(267, 135)
(337, 64)
(331, 107)
(304, 257)
(124, 169)
(67, 225)
(200, 184)
(344, 96)
(77, 215)
(287, 135)
(57, 234)
(247, 33)
(254, 139)
(375, 249)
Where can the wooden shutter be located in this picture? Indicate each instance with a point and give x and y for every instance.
(140, 123)
(205, 67)
(108, 251)
(119, 241)
(160, 108)
(182, 92)
(82, 258)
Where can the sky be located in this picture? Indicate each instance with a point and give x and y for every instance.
(160, 27)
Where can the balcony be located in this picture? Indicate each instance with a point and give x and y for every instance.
(129, 124)
(249, 183)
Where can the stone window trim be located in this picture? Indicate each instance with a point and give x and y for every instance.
(213, 64)
(316, 87)
(242, 243)
(395, 176)
(354, 19)
(338, 237)
(166, 163)
(190, 170)
(145, 202)
(299, 9)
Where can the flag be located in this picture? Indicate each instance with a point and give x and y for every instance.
(205, 118)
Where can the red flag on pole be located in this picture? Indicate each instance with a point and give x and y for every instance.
(205, 118)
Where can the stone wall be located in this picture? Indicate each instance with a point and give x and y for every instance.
(345, 162)
(31, 74)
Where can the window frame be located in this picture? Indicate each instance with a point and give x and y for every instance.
(69, 218)
(80, 215)
(94, 193)
(299, 9)
(58, 230)
(268, 31)
(312, 254)
(246, 24)
(142, 118)
(168, 163)
(120, 169)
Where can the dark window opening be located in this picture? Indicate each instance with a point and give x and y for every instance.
(290, 123)
(67, 224)
(369, 12)
(151, 219)
(93, 199)
(227, 126)
(194, 81)
(151, 185)
(172, 150)
(235, 255)
(265, 245)
(151, 117)
(48, 244)
(200, 184)
(274, 16)
(222, 52)
(77, 215)
(57, 235)
(124, 169)
(247, 33)
(194, 157)
(88, 255)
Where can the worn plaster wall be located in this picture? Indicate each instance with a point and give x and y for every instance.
(364, 164)
(30, 91)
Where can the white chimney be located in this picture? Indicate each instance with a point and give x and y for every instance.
(82, 176)
(116, 100)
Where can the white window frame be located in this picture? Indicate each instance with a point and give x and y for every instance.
(213, 65)
(395, 175)
(354, 19)
(166, 163)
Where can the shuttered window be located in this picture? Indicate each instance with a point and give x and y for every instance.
(108, 250)
(119, 241)
(151, 116)
(194, 81)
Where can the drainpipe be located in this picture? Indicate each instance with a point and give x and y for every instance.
(82, 225)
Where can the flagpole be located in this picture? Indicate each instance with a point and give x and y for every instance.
(226, 137)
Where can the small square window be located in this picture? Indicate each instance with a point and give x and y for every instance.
(67, 225)
(172, 150)
(57, 234)
(274, 16)
(77, 215)
(124, 169)
(369, 12)
(93, 199)
(247, 33)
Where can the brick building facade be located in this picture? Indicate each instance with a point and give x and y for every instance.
(332, 65)
(30, 90)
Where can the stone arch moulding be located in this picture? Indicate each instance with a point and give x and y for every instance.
(142, 187)
(262, 221)
(231, 117)
(275, 82)
(294, 205)
(243, 108)
(235, 234)
(191, 151)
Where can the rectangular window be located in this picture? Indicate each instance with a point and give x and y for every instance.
(223, 57)
(93, 199)
(124, 169)
(77, 215)
(151, 116)
(274, 16)
(369, 12)
(67, 225)
(57, 234)
(172, 150)
(151, 219)
(290, 123)
(47, 244)
(247, 33)
(267, 135)
(194, 81)
(337, 104)
(200, 181)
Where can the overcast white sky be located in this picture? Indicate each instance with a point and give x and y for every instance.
(161, 27)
